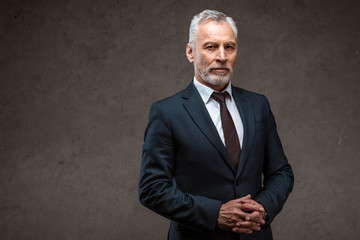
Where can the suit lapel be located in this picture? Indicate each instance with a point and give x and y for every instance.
(199, 114)
(247, 117)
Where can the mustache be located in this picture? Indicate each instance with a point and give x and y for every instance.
(227, 67)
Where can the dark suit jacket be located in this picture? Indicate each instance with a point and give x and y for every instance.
(186, 173)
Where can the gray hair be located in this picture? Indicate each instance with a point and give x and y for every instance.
(208, 15)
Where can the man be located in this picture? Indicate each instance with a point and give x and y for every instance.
(212, 159)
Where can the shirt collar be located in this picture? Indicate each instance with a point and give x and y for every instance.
(205, 91)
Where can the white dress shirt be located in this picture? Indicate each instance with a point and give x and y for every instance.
(213, 108)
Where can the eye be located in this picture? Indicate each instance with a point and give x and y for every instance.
(230, 47)
(210, 47)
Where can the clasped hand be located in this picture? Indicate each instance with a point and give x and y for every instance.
(242, 215)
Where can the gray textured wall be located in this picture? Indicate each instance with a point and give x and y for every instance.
(78, 77)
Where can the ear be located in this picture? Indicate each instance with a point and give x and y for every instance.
(189, 53)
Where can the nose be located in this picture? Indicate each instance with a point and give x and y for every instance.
(221, 55)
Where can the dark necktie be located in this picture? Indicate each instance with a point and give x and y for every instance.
(231, 138)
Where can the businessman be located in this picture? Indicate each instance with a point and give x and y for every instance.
(212, 159)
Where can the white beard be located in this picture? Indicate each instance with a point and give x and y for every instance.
(217, 79)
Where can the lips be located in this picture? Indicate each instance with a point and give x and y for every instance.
(220, 67)
(220, 71)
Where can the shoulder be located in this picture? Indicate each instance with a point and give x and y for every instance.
(178, 98)
(175, 98)
(169, 106)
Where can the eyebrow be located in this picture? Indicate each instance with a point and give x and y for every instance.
(210, 42)
(216, 43)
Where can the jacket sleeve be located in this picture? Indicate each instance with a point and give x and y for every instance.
(157, 187)
(278, 175)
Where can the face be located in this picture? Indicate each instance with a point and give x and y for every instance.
(214, 54)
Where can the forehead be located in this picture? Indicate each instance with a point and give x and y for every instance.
(215, 31)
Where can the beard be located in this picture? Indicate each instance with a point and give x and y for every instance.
(216, 79)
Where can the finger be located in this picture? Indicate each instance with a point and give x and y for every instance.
(249, 207)
(247, 201)
(242, 230)
(247, 197)
(254, 215)
(251, 225)
(259, 220)
(241, 215)
(252, 202)
(247, 224)
(261, 208)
